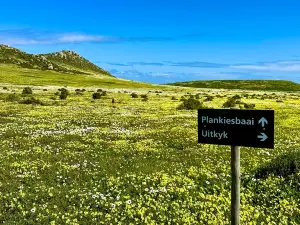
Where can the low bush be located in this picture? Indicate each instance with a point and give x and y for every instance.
(249, 106)
(284, 165)
(12, 98)
(27, 91)
(63, 93)
(236, 97)
(209, 98)
(32, 101)
(231, 102)
(96, 95)
(190, 104)
(134, 95)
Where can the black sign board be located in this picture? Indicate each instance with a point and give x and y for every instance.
(250, 128)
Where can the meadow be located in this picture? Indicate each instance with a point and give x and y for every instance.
(135, 161)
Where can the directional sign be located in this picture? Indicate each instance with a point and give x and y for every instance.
(251, 128)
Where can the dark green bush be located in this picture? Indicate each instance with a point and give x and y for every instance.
(63, 96)
(231, 102)
(45, 89)
(236, 97)
(97, 95)
(27, 91)
(144, 96)
(173, 98)
(249, 106)
(32, 101)
(63, 93)
(99, 90)
(134, 95)
(5, 88)
(284, 165)
(190, 104)
(209, 98)
(12, 98)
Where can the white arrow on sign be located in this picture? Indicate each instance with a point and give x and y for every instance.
(262, 137)
(263, 121)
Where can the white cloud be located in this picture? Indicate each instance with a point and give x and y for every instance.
(279, 66)
(66, 38)
(33, 37)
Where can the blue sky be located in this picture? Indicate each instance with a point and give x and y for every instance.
(164, 41)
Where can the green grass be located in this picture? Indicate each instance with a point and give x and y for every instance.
(20, 76)
(80, 161)
(266, 85)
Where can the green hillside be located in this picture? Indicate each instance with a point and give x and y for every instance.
(73, 61)
(65, 68)
(266, 85)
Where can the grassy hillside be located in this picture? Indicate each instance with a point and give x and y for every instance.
(266, 85)
(63, 62)
(12, 74)
(73, 61)
(65, 68)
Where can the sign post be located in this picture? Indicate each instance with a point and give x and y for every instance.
(235, 185)
(250, 128)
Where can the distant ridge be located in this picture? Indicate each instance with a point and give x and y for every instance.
(63, 62)
(263, 85)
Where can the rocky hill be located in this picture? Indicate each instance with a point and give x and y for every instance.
(64, 61)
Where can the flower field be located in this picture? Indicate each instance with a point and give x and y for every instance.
(85, 161)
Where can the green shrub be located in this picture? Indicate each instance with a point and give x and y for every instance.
(63, 93)
(209, 98)
(144, 96)
(5, 88)
(173, 98)
(96, 95)
(249, 106)
(63, 96)
(236, 97)
(190, 104)
(134, 95)
(53, 98)
(99, 90)
(231, 102)
(27, 91)
(12, 98)
(45, 89)
(32, 101)
(144, 99)
(284, 165)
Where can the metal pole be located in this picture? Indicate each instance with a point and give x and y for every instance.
(235, 185)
